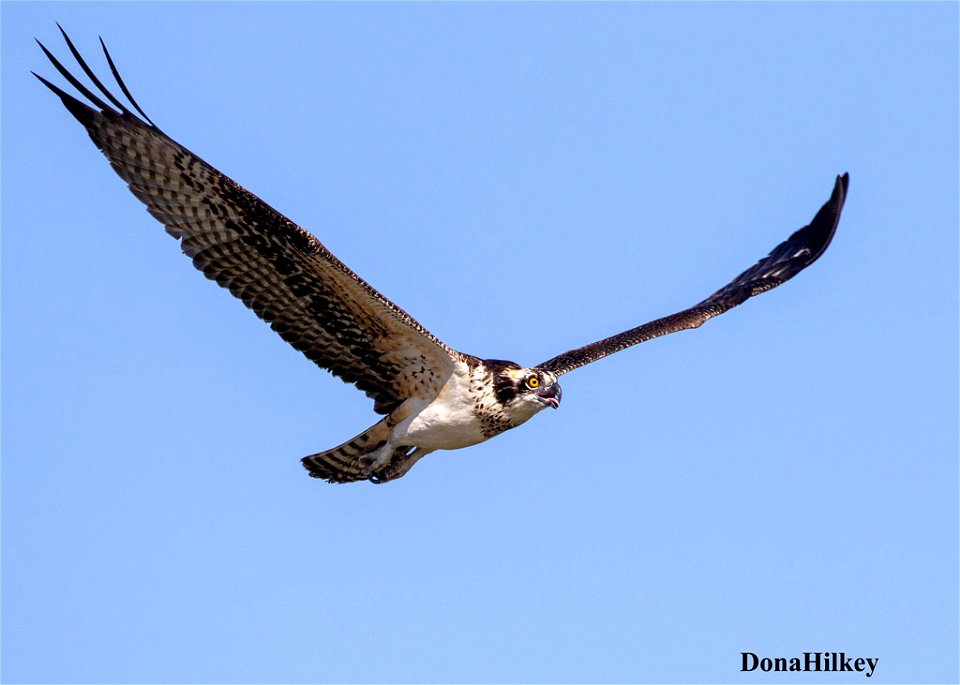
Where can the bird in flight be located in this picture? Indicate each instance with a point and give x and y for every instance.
(431, 396)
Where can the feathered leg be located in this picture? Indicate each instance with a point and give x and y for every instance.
(398, 467)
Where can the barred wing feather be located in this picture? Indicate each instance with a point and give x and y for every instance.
(280, 271)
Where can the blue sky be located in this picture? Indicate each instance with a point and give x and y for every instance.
(523, 179)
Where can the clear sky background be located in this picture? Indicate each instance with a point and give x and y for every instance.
(523, 179)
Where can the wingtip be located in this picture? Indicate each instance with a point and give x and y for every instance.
(820, 231)
(49, 85)
(77, 107)
(844, 181)
(45, 50)
(840, 187)
(840, 190)
(123, 85)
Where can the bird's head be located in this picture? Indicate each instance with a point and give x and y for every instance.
(523, 392)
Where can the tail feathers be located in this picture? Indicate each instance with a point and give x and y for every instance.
(343, 464)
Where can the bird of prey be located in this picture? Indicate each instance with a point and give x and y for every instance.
(431, 396)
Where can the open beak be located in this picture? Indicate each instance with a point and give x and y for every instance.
(551, 395)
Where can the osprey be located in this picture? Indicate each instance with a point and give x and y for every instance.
(432, 397)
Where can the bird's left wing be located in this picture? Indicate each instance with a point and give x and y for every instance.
(284, 274)
(786, 260)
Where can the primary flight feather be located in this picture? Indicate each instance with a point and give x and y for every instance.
(433, 397)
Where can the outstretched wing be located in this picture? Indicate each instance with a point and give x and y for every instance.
(786, 260)
(281, 272)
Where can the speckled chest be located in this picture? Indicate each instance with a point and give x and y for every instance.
(487, 406)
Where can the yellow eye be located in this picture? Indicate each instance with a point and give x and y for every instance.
(533, 382)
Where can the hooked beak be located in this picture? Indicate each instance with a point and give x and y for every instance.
(551, 395)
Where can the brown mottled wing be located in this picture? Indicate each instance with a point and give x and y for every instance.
(281, 272)
(786, 260)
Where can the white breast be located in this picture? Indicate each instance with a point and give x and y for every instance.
(448, 422)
